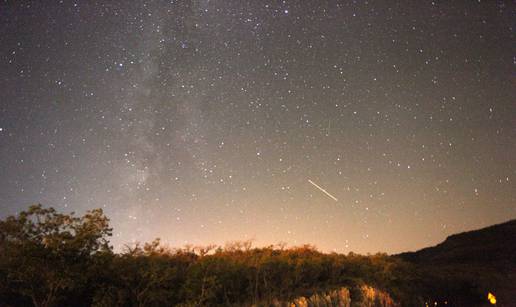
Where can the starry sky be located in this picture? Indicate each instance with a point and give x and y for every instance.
(358, 126)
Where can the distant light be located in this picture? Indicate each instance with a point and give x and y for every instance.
(286, 11)
(491, 298)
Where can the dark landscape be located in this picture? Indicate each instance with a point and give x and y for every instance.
(49, 258)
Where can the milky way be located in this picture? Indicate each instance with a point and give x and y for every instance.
(203, 121)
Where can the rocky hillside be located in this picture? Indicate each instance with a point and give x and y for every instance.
(479, 261)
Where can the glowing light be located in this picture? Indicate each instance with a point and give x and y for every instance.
(491, 298)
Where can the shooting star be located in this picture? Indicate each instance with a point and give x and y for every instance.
(323, 190)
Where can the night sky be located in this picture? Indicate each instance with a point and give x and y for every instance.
(211, 121)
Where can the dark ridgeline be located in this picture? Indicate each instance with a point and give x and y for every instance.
(53, 259)
(476, 260)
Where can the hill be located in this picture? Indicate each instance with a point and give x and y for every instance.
(494, 246)
(478, 261)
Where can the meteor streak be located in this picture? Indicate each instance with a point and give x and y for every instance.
(323, 190)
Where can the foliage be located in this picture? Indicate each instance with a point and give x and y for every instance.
(43, 253)
(53, 259)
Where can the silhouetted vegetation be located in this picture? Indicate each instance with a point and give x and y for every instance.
(53, 259)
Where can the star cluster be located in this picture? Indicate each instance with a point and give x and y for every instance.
(205, 121)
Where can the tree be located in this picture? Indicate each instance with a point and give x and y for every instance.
(44, 254)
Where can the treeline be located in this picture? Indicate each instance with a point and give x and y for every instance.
(52, 259)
